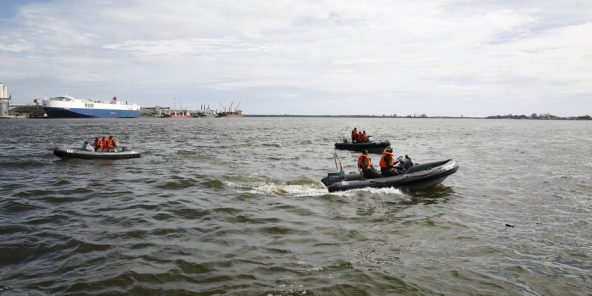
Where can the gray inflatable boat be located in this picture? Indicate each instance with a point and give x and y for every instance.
(416, 177)
(79, 153)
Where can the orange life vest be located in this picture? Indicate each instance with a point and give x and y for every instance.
(97, 143)
(104, 143)
(111, 143)
(383, 163)
(361, 164)
(364, 137)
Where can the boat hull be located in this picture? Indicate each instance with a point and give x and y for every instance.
(417, 177)
(372, 147)
(89, 113)
(79, 153)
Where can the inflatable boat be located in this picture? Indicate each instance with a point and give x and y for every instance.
(79, 153)
(372, 146)
(416, 177)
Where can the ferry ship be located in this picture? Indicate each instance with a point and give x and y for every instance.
(70, 107)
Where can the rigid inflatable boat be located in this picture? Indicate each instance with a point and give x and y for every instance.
(416, 177)
(372, 146)
(79, 153)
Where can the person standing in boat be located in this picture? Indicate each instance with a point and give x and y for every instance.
(354, 135)
(387, 163)
(365, 164)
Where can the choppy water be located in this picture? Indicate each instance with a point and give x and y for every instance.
(235, 207)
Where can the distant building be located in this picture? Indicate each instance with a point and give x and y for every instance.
(4, 100)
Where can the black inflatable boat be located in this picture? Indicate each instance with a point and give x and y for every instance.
(418, 176)
(372, 146)
(79, 153)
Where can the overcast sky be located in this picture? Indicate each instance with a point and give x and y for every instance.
(471, 58)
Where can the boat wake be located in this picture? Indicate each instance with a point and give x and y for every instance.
(299, 188)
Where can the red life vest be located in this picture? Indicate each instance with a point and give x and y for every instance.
(383, 163)
(111, 143)
(367, 164)
(104, 143)
(97, 142)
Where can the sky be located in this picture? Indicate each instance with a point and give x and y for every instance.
(439, 58)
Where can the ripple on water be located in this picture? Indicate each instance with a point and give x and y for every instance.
(61, 182)
(33, 193)
(56, 219)
(243, 219)
(80, 246)
(163, 216)
(213, 184)
(181, 183)
(22, 164)
(13, 206)
(190, 213)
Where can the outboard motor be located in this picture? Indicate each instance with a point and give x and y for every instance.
(403, 164)
(407, 163)
(333, 178)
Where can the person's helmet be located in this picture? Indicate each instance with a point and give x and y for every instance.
(389, 149)
(365, 151)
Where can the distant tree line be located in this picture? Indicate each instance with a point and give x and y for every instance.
(545, 116)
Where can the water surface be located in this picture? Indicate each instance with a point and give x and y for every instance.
(235, 207)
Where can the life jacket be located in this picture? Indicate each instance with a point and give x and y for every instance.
(96, 143)
(383, 163)
(364, 137)
(361, 164)
(104, 143)
(111, 143)
(354, 135)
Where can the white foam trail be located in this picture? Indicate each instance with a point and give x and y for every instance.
(289, 190)
(388, 191)
(276, 188)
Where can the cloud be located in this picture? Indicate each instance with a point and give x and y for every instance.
(434, 57)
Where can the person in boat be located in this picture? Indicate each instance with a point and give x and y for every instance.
(97, 144)
(364, 137)
(365, 164)
(87, 147)
(354, 135)
(387, 163)
(111, 144)
(104, 145)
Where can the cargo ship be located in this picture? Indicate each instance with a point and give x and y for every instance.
(70, 107)
(230, 112)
